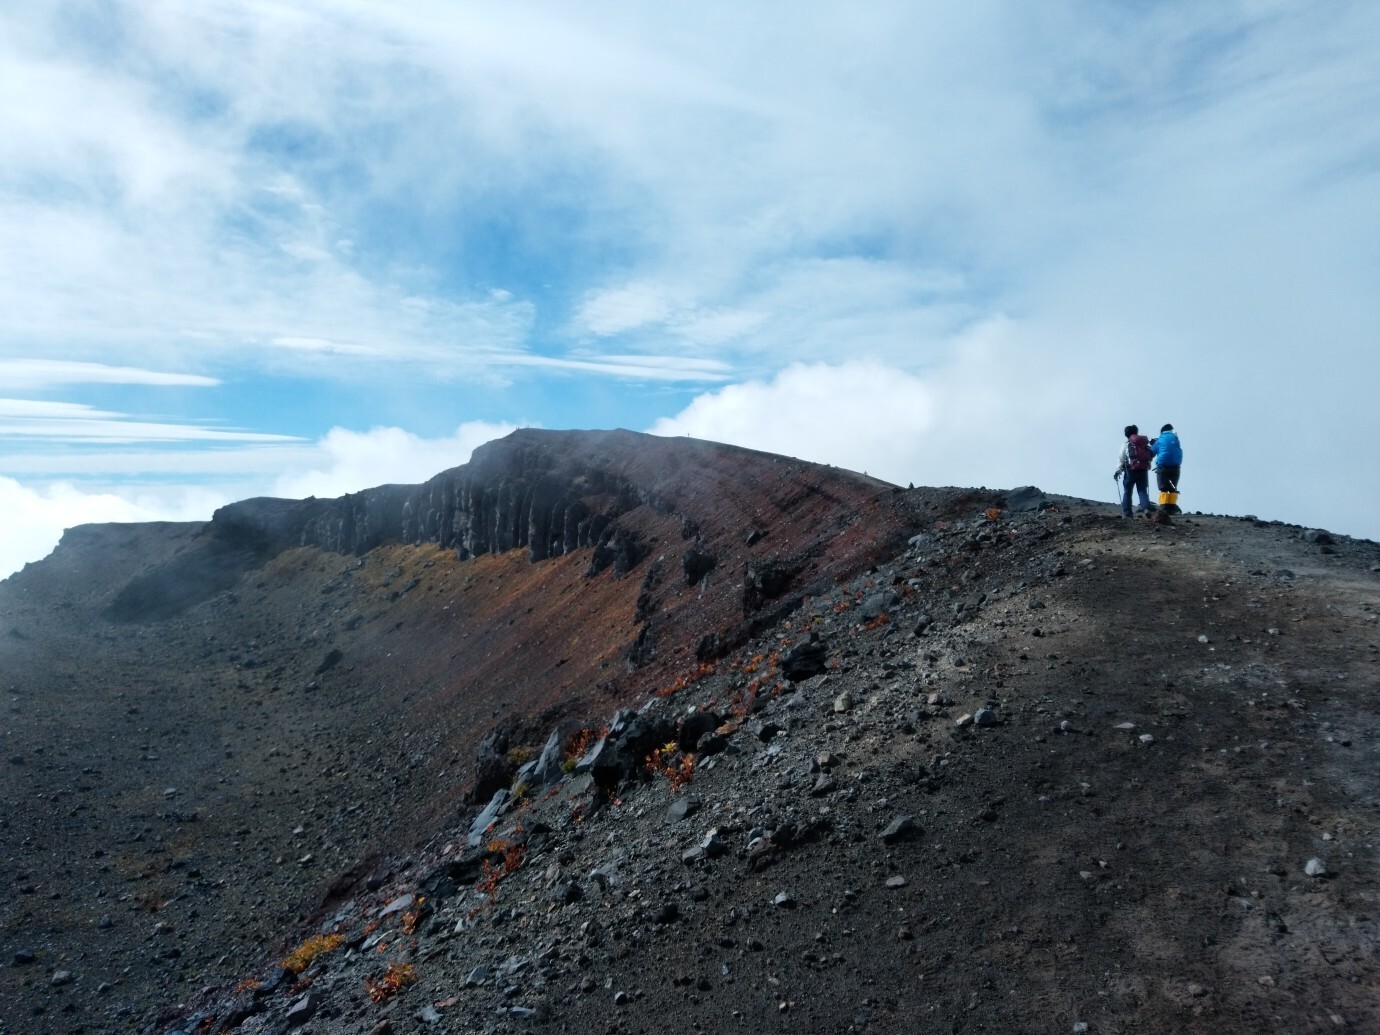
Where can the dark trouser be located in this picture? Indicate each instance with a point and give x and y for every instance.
(1134, 480)
(1167, 479)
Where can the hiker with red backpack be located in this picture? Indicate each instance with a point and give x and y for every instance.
(1133, 468)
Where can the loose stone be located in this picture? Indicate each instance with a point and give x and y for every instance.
(898, 828)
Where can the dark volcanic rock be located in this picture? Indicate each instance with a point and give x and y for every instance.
(805, 659)
(696, 564)
(694, 726)
(766, 580)
(1025, 499)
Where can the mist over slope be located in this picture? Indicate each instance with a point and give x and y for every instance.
(935, 759)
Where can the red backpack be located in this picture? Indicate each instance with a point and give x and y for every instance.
(1138, 451)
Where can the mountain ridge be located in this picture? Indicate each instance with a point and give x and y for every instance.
(198, 788)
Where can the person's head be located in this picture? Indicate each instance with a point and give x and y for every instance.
(1167, 427)
(1131, 429)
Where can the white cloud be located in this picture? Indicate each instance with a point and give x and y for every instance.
(39, 409)
(624, 308)
(340, 462)
(321, 345)
(77, 422)
(861, 415)
(104, 462)
(36, 518)
(1006, 406)
(347, 461)
(639, 368)
(44, 373)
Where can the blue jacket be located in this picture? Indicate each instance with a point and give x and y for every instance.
(1168, 452)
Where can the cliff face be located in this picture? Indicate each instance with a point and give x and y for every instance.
(550, 492)
(553, 493)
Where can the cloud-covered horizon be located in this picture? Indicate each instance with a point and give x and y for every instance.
(342, 461)
(1000, 231)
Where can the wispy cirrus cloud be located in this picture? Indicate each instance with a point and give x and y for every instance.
(77, 422)
(30, 373)
(642, 368)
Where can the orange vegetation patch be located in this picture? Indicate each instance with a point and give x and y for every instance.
(302, 957)
(669, 762)
(510, 860)
(397, 977)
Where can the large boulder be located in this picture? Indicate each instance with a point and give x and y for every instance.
(805, 659)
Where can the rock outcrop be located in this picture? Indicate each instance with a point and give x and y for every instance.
(617, 494)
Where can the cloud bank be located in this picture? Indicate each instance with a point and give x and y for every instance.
(342, 461)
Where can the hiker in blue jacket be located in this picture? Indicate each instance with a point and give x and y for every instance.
(1169, 458)
(1133, 465)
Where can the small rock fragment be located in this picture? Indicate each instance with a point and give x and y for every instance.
(898, 828)
(666, 913)
(302, 1009)
(398, 904)
(682, 808)
(826, 784)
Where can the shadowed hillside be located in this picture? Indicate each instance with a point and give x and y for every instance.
(614, 732)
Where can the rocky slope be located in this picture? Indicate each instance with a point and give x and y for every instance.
(749, 744)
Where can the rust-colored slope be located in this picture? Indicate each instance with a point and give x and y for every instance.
(468, 641)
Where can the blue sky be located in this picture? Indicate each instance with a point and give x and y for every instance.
(254, 248)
